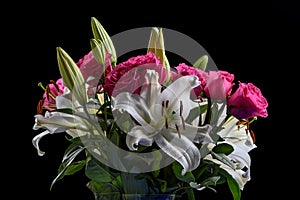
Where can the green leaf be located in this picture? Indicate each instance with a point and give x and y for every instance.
(71, 76)
(204, 150)
(118, 182)
(190, 193)
(163, 185)
(203, 108)
(214, 112)
(104, 106)
(223, 148)
(100, 34)
(70, 169)
(223, 158)
(177, 169)
(103, 188)
(194, 113)
(201, 62)
(97, 173)
(74, 140)
(197, 186)
(115, 138)
(72, 149)
(210, 181)
(207, 183)
(133, 185)
(218, 114)
(199, 172)
(222, 180)
(75, 167)
(64, 166)
(156, 162)
(232, 184)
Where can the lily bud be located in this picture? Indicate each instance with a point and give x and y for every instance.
(71, 76)
(201, 63)
(157, 46)
(100, 34)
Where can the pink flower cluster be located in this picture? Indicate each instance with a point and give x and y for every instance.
(129, 76)
(247, 102)
(244, 102)
(89, 67)
(53, 90)
(214, 84)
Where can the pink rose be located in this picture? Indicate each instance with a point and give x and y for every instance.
(129, 76)
(89, 67)
(185, 70)
(247, 102)
(53, 90)
(218, 84)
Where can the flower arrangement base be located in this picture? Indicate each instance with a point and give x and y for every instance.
(118, 196)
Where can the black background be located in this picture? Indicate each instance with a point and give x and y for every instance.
(248, 40)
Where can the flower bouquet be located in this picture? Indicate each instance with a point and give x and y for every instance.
(141, 126)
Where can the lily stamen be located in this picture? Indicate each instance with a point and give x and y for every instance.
(166, 122)
(181, 108)
(178, 130)
(162, 107)
(48, 92)
(167, 103)
(180, 114)
(55, 85)
(183, 122)
(40, 106)
(41, 85)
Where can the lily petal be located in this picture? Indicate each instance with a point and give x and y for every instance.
(135, 106)
(237, 174)
(57, 122)
(178, 91)
(152, 89)
(237, 135)
(198, 134)
(243, 160)
(36, 140)
(181, 149)
(242, 143)
(160, 117)
(138, 135)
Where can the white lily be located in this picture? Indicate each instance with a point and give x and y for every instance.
(161, 118)
(237, 134)
(75, 124)
(57, 122)
(242, 143)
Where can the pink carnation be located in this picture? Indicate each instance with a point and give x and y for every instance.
(185, 70)
(247, 102)
(129, 76)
